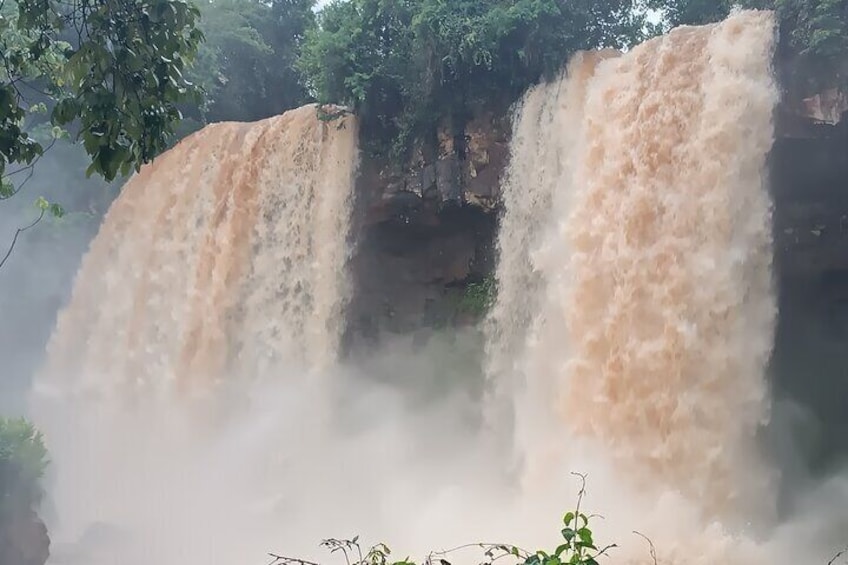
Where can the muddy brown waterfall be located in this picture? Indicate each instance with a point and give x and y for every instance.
(218, 275)
(224, 256)
(629, 340)
(635, 308)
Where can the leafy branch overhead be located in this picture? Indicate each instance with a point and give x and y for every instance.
(110, 71)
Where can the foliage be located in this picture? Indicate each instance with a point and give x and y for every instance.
(23, 460)
(111, 71)
(690, 12)
(405, 65)
(816, 28)
(577, 547)
(479, 296)
(246, 66)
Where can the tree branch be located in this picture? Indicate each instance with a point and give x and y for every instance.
(650, 544)
(282, 560)
(18, 232)
(837, 556)
(29, 170)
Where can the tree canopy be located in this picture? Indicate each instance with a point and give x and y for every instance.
(816, 28)
(404, 64)
(246, 66)
(108, 73)
(116, 74)
(111, 70)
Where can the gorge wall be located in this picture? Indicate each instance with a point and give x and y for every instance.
(809, 173)
(426, 232)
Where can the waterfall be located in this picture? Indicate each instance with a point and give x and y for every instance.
(629, 340)
(225, 256)
(635, 310)
(215, 287)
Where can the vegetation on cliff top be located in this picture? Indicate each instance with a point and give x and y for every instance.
(815, 28)
(116, 73)
(246, 66)
(407, 65)
(23, 460)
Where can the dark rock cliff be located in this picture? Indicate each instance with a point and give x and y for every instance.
(809, 183)
(426, 231)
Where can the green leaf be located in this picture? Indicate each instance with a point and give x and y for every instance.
(562, 549)
(568, 518)
(42, 204)
(532, 560)
(7, 189)
(568, 534)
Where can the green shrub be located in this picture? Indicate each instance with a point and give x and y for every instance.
(23, 460)
(479, 297)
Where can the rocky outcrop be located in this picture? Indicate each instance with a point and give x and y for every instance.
(23, 540)
(427, 230)
(809, 184)
(809, 168)
(461, 171)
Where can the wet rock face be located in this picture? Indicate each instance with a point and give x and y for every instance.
(411, 271)
(809, 185)
(452, 171)
(426, 231)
